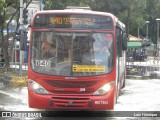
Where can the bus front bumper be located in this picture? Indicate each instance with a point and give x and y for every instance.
(70, 102)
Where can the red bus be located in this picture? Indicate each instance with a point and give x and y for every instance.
(76, 60)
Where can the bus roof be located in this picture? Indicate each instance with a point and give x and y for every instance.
(83, 11)
(77, 11)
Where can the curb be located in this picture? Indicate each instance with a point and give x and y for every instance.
(14, 81)
(135, 77)
(19, 81)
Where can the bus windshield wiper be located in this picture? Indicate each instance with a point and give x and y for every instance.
(59, 42)
(87, 38)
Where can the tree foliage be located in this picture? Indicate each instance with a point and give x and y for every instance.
(61, 4)
(133, 13)
(4, 4)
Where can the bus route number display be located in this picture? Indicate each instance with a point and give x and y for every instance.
(45, 63)
(72, 21)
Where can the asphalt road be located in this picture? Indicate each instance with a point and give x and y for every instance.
(138, 95)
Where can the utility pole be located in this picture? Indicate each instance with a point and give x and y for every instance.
(21, 34)
(158, 42)
(40, 5)
(147, 22)
(158, 19)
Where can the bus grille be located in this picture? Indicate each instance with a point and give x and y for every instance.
(70, 102)
(70, 84)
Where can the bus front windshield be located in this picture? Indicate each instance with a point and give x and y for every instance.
(72, 53)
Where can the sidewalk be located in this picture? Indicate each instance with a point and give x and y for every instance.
(11, 78)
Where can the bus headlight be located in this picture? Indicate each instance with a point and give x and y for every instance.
(37, 88)
(105, 89)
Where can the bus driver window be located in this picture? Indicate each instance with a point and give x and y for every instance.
(48, 50)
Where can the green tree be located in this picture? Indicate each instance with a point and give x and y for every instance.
(152, 10)
(2, 23)
(61, 4)
(129, 12)
(133, 13)
(15, 15)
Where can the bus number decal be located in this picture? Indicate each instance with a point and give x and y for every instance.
(43, 63)
(82, 89)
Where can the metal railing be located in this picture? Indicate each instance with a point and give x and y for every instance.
(149, 67)
(15, 66)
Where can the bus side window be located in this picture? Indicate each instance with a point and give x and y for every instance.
(119, 41)
(124, 41)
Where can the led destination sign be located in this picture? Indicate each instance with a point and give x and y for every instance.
(80, 21)
(72, 21)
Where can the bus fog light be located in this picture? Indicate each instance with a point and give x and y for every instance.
(37, 88)
(104, 89)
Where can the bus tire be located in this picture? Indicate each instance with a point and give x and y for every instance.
(117, 95)
(124, 82)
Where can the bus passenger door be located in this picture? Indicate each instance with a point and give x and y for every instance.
(119, 67)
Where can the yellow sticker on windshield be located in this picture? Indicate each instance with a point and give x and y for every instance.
(88, 68)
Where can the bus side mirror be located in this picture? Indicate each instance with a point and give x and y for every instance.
(124, 42)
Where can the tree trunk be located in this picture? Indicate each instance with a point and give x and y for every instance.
(128, 21)
(6, 46)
